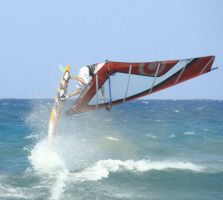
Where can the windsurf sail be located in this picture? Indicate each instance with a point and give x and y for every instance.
(120, 82)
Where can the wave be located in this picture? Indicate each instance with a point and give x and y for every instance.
(56, 172)
(151, 136)
(112, 138)
(32, 136)
(189, 133)
(45, 160)
(103, 168)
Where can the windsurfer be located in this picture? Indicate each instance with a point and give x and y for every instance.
(83, 79)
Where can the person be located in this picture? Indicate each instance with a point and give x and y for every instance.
(83, 78)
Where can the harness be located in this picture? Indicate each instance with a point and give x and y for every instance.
(91, 69)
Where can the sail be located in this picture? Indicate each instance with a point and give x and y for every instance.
(119, 82)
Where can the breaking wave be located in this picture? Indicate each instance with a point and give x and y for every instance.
(103, 168)
(56, 170)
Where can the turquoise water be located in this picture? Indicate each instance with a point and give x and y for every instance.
(155, 149)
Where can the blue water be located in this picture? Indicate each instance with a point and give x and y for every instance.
(147, 149)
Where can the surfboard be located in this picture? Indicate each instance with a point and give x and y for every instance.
(58, 103)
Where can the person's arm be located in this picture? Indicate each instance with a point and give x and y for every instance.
(77, 78)
(76, 92)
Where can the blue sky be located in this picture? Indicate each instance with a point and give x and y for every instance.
(37, 36)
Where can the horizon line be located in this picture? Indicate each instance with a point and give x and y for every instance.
(174, 99)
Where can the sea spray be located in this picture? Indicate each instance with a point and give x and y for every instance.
(44, 158)
(46, 162)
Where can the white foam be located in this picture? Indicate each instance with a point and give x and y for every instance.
(7, 191)
(151, 136)
(189, 133)
(176, 111)
(44, 159)
(58, 187)
(31, 136)
(26, 148)
(46, 162)
(103, 168)
(112, 138)
(53, 160)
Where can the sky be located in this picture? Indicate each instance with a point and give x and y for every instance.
(37, 36)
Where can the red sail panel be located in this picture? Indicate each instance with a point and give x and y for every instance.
(144, 68)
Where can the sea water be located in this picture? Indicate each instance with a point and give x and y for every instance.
(147, 149)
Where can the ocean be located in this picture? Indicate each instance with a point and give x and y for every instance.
(142, 150)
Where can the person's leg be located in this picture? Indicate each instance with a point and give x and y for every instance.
(76, 92)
